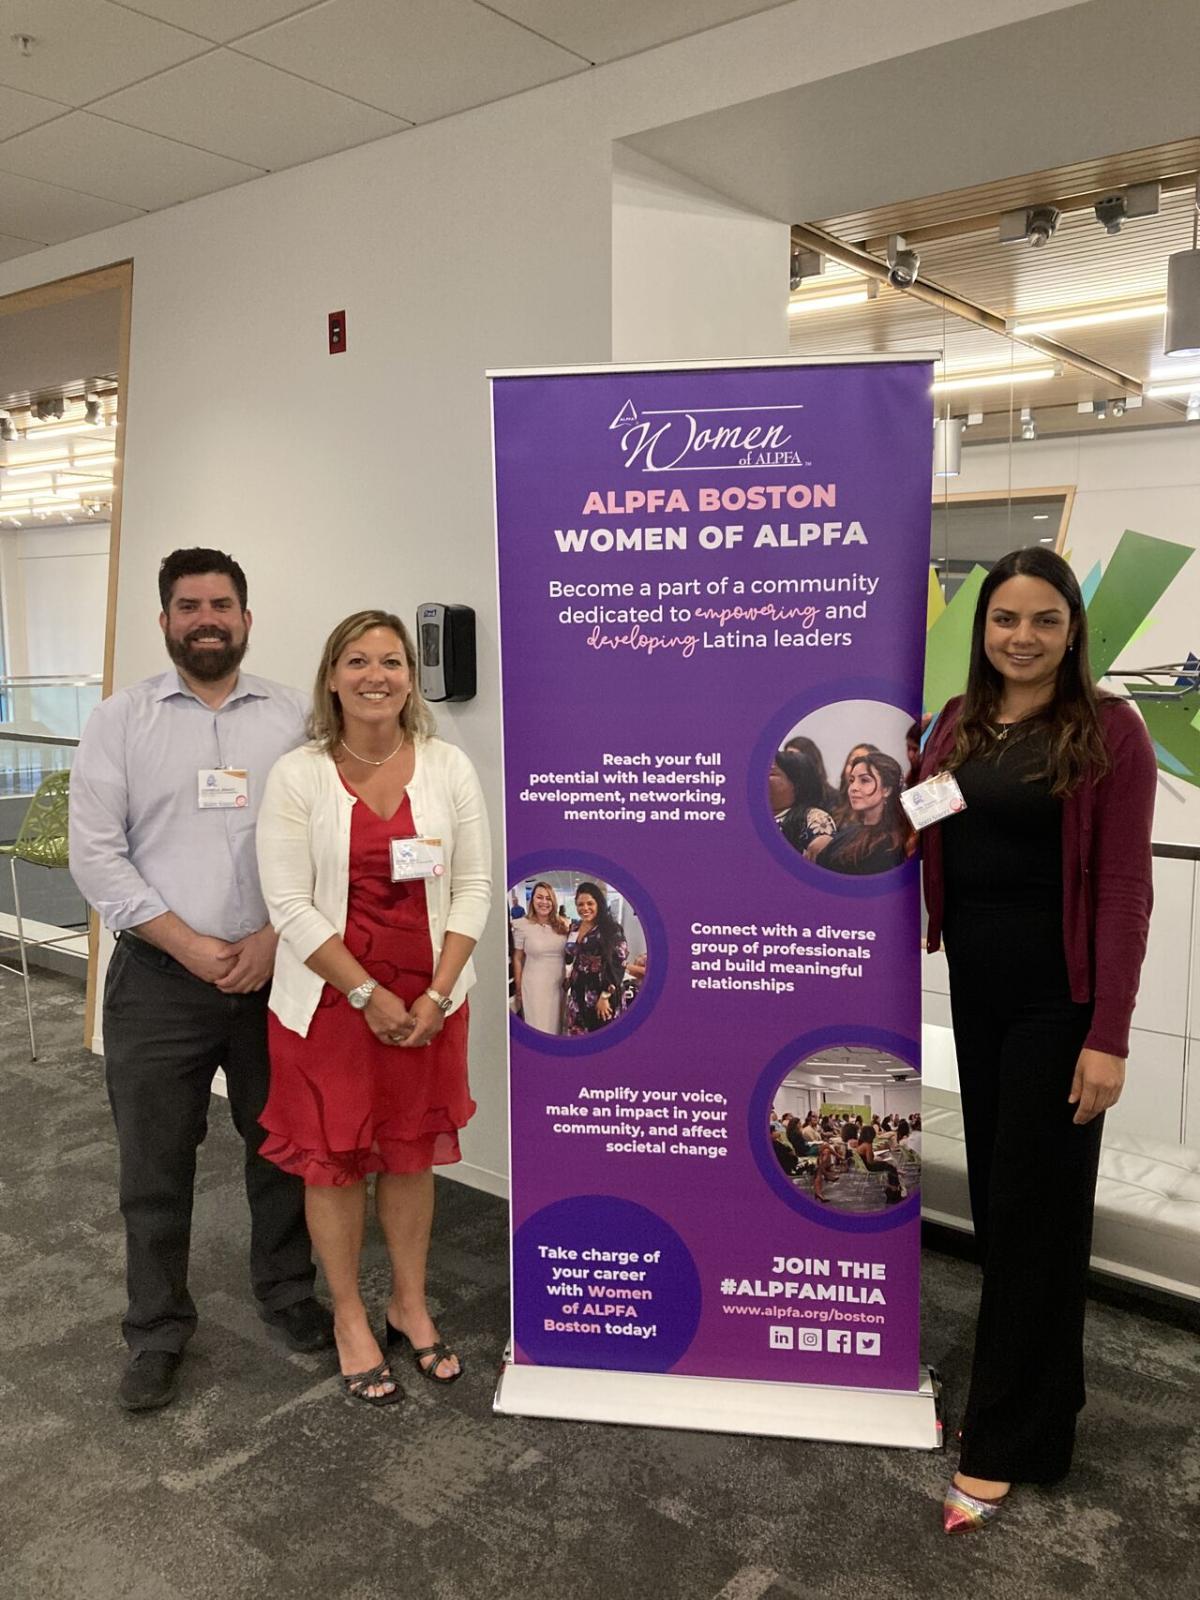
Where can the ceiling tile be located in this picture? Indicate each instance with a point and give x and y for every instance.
(221, 20)
(248, 112)
(10, 248)
(86, 48)
(21, 111)
(417, 58)
(48, 214)
(83, 151)
(616, 28)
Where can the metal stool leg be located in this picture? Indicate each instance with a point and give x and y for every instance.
(12, 863)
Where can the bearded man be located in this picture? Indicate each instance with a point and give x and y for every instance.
(164, 796)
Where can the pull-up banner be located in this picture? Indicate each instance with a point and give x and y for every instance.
(713, 587)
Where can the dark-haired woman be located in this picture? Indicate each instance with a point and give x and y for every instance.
(1041, 888)
(841, 799)
(596, 956)
(802, 745)
(796, 794)
(876, 837)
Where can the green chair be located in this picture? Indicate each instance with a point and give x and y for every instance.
(42, 842)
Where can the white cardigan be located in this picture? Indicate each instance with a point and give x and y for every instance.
(304, 862)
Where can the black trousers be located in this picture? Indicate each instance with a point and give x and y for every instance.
(165, 1034)
(1032, 1175)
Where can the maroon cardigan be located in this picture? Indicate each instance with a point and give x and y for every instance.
(1107, 883)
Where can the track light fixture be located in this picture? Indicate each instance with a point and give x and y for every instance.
(1123, 205)
(1110, 213)
(92, 412)
(49, 409)
(1029, 428)
(7, 432)
(1040, 225)
(805, 264)
(1193, 408)
(903, 264)
(1036, 224)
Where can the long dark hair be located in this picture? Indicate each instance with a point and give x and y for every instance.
(1075, 748)
(893, 824)
(607, 925)
(804, 746)
(808, 790)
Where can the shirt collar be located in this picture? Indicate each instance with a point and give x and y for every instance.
(247, 687)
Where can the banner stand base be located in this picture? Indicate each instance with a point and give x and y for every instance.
(903, 1419)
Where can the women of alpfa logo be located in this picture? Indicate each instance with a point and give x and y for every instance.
(677, 439)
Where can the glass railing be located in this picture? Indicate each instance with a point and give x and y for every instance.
(49, 899)
(26, 758)
(58, 706)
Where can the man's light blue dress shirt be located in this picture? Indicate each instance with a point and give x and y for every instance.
(140, 844)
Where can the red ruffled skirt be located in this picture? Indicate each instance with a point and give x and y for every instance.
(341, 1103)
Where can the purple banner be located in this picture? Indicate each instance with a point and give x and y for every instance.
(712, 599)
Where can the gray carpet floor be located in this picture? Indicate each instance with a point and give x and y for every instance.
(263, 1482)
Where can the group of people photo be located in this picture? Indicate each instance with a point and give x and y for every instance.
(849, 1159)
(297, 883)
(577, 953)
(853, 822)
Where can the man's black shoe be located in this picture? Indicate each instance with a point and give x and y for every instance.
(150, 1380)
(306, 1325)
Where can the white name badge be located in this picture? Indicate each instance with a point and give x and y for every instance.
(417, 858)
(934, 800)
(222, 788)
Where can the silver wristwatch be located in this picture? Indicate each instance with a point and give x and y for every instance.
(359, 997)
(442, 1001)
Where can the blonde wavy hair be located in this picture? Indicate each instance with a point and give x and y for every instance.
(325, 722)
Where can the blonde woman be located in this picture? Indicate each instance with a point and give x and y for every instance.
(375, 863)
(540, 960)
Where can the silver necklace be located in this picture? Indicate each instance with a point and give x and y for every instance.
(366, 760)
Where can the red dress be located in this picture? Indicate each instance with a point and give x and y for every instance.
(342, 1104)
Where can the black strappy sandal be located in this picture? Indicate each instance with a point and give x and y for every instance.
(356, 1385)
(439, 1351)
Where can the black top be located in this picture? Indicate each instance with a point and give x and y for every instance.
(839, 856)
(1005, 850)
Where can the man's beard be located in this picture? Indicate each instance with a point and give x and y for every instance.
(207, 665)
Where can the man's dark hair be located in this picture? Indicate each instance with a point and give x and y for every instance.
(194, 563)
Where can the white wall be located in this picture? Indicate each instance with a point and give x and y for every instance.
(64, 583)
(481, 241)
(694, 275)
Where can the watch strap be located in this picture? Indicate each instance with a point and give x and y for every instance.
(442, 1001)
(361, 994)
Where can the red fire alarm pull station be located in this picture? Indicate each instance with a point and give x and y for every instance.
(337, 332)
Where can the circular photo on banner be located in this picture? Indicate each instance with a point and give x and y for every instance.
(833, 787)
(578, 954)
(845, 1128)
